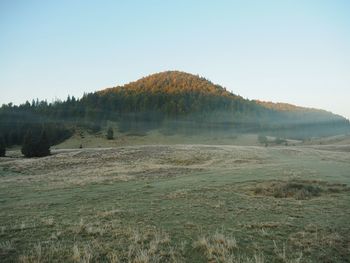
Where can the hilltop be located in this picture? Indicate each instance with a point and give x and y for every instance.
(172, 82)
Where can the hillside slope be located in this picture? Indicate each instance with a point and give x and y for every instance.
(302, 112)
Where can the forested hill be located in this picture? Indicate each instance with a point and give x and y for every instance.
(172, 82)
(303, 114)
(172, 93)
(279, 106)
(172, 100)
(179, 94)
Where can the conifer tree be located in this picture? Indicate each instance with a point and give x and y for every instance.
(34, 146)
(110, 134)
(2, 146)
(43, 148)
(27, 146)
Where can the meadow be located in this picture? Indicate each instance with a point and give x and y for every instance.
(177, 203)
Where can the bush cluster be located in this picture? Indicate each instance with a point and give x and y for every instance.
(35, 146)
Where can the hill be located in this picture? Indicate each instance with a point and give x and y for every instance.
(172, 102)
(191, 93)
(316, 114)
(172, 82)
(171, 93)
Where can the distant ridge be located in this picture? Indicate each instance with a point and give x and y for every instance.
(280, 106)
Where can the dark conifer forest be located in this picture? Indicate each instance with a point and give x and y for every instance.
(170, 101)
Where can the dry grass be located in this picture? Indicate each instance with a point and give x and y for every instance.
(150, 246)
(6, 246)
(39, 254)
(312, 237)
(142, 247)
(81, 167)
(48, 221)
(148, 204)
(223, 249)
(82, 255)
(218, 247)
(109, 213)
(286, 256)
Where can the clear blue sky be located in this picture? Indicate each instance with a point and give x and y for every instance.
(288, 51)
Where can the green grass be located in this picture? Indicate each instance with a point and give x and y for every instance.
(154, 137)
(176, 204)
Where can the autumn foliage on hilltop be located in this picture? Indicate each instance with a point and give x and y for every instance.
(172, 82)
(170, 93)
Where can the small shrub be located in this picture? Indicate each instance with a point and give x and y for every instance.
(110, 134)
(262, 139)
(280, 141)
(299, 191)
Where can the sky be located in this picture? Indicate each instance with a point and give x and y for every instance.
(281, 51)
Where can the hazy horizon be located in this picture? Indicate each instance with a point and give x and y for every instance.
(292, 52)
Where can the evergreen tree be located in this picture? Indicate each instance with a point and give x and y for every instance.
(34, 146)
(27, 146)
(2, 146)
(43, 148)
(110, 134)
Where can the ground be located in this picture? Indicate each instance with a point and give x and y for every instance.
(177, 203)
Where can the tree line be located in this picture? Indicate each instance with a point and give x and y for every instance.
(171, 101)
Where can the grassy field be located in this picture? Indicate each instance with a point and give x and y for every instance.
(86, 139)
(98, 140)
(177, 203)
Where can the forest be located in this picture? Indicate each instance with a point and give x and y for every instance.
(171, 101)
